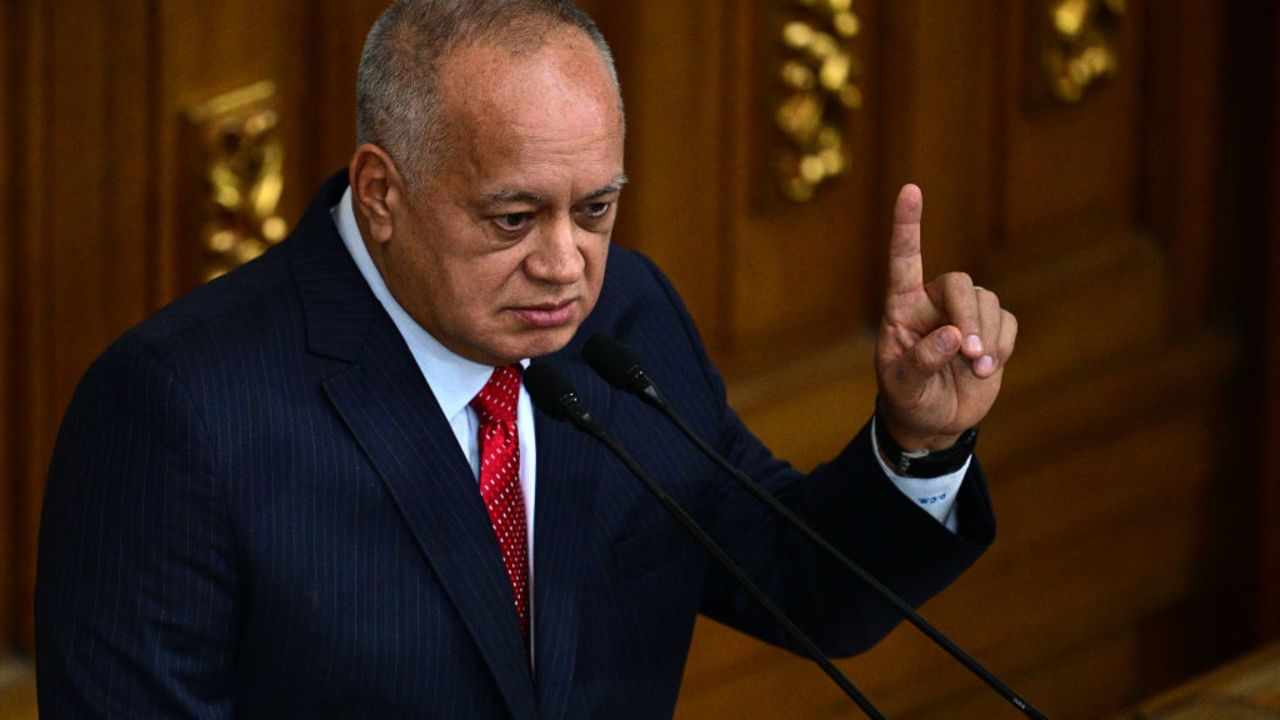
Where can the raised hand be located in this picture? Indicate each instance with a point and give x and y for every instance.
(942, 346)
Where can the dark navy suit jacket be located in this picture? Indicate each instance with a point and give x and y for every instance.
(257, 509)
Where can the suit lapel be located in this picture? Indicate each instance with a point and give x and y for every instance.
(569, 465)
(383, 399)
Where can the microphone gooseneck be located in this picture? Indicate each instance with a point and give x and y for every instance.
(619, 365)
(555, 396)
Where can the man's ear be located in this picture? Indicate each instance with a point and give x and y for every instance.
(377, 191)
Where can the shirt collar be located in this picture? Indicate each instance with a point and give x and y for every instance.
(453, 379)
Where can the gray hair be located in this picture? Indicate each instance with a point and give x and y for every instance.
(397, 89)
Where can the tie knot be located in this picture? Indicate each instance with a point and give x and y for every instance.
(497, 400)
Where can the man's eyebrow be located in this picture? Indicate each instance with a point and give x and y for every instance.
(513, 196)
(614, 186)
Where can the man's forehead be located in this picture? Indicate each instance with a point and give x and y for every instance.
(484, 73)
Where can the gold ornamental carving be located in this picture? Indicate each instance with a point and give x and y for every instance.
(817, 71)
(1080, 50)
(241, 166)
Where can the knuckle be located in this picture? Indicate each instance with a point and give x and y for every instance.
(923, 357)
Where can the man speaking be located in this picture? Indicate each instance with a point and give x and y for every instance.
(317, 487)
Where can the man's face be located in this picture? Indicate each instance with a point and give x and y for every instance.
(500, 251)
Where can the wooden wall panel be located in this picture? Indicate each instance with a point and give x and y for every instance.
(674, 205)
(9, 513)
(338, 29)
(799, 275)
(1269, 497)
(202, 51)
(1067, 165)
(80, 245)
(27, 54)
(939, 65)
(703, 200)
(1184, 130)
(82, 232)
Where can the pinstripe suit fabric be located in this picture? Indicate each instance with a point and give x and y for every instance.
(257, 509)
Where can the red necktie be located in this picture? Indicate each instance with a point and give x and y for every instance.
(495, 405)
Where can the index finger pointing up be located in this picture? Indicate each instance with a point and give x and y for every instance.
(906, 266)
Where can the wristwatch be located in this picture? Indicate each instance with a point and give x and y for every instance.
(923, 463)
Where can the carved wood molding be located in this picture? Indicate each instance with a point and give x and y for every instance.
(1080, 46)
(241, 158)
(817, 70)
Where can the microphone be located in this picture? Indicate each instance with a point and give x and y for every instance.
(622, 368)
(555, 396)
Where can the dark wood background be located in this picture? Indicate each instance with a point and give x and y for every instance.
(1134, 456)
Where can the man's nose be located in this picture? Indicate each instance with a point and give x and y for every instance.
(556, 257)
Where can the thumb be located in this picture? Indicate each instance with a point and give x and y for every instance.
(935, 350)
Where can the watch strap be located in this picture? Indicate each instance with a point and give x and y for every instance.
(923, 463)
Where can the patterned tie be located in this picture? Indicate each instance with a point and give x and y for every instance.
(495, 405)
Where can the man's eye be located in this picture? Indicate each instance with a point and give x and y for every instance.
(596, 209)
(513, 222)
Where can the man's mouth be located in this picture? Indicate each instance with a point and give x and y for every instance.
(548, 315)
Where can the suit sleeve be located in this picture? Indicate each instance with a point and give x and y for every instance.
(851, 502)
(136, 585)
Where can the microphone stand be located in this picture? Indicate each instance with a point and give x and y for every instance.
(618, 365)
(556, 397)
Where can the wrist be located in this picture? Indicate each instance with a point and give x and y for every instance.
(921, 456)
(917, 443)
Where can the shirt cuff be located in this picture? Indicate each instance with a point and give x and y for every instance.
(936, 496)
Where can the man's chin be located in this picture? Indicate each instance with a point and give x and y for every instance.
(527, 344)
(548, 341)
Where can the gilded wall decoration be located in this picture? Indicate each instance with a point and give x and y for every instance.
(817, 71)
(241, 165)
(1080, 50)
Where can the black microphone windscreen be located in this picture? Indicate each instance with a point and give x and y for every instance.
(548, 389)
(613, 360)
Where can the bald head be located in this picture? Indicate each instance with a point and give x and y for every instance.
(399, 87)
